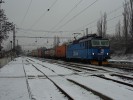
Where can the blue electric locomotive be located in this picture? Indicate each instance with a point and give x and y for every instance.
(91, 48)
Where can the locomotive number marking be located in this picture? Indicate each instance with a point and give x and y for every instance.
(75, 53)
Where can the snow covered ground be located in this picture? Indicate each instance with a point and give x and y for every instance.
(122, 58)
(27, 79)
(12, 82)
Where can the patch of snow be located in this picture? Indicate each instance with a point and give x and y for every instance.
(73, 90)
(31, 71)
(109, 88)
(55, 68)
(14, 68)
(43, 89)
(122, 58)
(13, 89)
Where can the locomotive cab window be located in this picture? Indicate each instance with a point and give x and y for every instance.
(104, 42)
(95, 43)
(100, 43)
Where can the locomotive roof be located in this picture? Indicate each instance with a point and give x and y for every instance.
(87, 37)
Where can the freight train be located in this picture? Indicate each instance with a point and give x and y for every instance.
(91, 48)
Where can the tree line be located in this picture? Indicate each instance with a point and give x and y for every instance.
(121, 42)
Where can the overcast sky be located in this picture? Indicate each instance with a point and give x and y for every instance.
(64, 17)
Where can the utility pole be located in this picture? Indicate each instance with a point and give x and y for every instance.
(86, 31)
(14, 38)
(11, 50)
(17, 42)
(1, 1)
(11, 45)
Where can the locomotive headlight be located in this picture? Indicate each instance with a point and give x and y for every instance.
(107, 53)
(92, 53)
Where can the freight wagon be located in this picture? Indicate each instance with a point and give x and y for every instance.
(60, 52)
(51, 53)
(47, 53)
(40, 52)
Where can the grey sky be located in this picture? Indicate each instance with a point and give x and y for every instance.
(16, 9)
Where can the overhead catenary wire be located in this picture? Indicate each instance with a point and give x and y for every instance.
(73, 31)
(46, 37)
(108, 20)
(26, 13)
(31, 45)
(114, 17)
(66, 15)
(114, 10)
(21, 29)
(31, 30)
(111, 28)
(77, 14)
(109, 13)
(43, 15)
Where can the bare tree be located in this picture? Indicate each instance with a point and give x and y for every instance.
(130, 11)
(125, 21)
(125, 31)
(118, 31)
(5, 27)
(128, 17)
(56, 41)
(102, 25)
(99, 27)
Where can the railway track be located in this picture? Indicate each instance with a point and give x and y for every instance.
(98, 72)
(78, 66)
(126, 66)
(122, 66)
(78, 86)
(114, 80)
(115, 74)
(123, 76)
(109, 68)
(60, 89)
(82, 67)
(87, 68)
(28, 87)
(89, 89)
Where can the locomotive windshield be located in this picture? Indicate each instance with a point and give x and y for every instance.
(100, 43)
